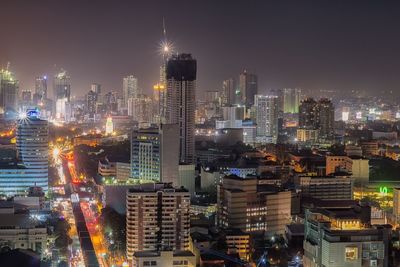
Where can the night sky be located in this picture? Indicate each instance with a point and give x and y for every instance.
(312, 45)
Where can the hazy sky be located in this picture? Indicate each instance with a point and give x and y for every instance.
(308, 44)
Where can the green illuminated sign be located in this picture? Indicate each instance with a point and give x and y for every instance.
(383, 190)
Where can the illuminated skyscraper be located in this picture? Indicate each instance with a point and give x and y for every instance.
(146, 155)
(248, 88)
(129, 89)
(291, 100)
(8, 91)
(154, 154)
(32, 148)
(41, 88)
(62, 85)
(181, 102)
(62, 93)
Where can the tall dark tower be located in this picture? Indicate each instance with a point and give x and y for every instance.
(181, 102)
(248, 87)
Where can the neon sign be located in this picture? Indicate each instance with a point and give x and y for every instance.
(383, 190)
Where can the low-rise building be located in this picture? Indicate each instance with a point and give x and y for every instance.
(239, 241)
(164, 259)
(251, 207)
(325, 187)
(344, 237)
(18, 230)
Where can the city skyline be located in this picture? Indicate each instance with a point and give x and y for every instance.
(286, 45)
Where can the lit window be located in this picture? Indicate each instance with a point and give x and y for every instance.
(351, 253)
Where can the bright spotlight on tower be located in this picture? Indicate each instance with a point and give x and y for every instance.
(22, 115)
(56, 152)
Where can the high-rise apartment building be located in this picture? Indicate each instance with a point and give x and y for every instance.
(248, 88)
(228, 92)
(267, 112)
(252, 207)
(344, 237)
(91, 103)
(181, 102)
(308, 114)
(8, 91)
(291, 100)
(130, 89)
(157, 219)
(319, 116)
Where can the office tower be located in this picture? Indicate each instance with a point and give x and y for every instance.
(291, 100)
(326, 187)
(308, 114)
(41, 88)
(62, 93)
(129, 89)
(326, 118)
(344, 237)
(62, 86)
(91, 103)
(248, 88)
(157, 218)
(8, 91)
(181, 103)
(32, 148)
(228, 92)
(246, 205)
(155, 154)
(146, 155)
(267, 111)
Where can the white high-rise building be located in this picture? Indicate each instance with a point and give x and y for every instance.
(267, 117)
(129, 89)
(181, 102)
(157, 219)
